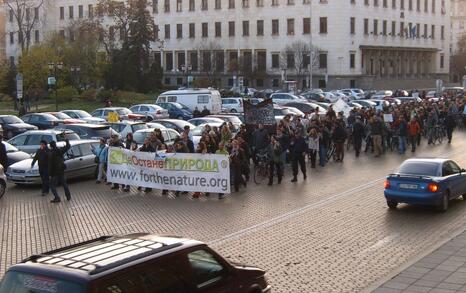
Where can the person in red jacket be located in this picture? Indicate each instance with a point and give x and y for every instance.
(414, 129)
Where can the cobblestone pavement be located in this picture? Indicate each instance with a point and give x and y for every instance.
(331, 233)
(442, 271)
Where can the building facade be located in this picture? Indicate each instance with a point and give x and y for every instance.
(2, 32)
(356, 43)
(458, 23)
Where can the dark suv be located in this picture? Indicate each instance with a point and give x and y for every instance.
(133, 263)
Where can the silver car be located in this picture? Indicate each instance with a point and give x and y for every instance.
(29, 141)
(79, 161)
(2, 182)
(150, 110)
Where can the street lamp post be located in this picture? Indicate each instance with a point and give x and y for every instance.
(54, 68)
(75, 73)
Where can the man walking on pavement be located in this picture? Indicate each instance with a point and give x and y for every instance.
(298, 149)
(413, 131)
(57, 170)
(3, 156)
(42, 158)
(358, 134)
(376, 133)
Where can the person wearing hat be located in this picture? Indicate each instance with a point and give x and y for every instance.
(57, 170)
(42, 158)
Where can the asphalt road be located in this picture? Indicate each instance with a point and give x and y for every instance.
(330, 233)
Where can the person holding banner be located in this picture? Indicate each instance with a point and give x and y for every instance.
(115, 142)
(236, 160)
(275, 163)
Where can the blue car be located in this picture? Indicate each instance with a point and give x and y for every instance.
(176, 110)
(432, 182)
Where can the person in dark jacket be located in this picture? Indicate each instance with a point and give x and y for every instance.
(237, 159)
(148, 148)
(339, 136)
(3, 156)
(205, 112)
(402, 134)
(57, 170)
(42, 158)
(115, 142)
(358, 135)
(298, 150)
(130, 144)
(275, 160)
(450, 125)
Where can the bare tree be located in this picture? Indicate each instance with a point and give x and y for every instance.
(458, 60)
(212, 61)
(297, 57)
(25, 14)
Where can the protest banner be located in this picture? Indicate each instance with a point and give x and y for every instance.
(261, 113)
(173, 171)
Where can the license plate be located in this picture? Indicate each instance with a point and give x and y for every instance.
(408, 186)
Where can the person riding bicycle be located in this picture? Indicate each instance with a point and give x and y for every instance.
(431, 123)
(260, 141)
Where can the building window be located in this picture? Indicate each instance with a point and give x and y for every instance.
(245, 3)
(418, 5)
(166, 6)
(385, 4)
(245, 28)
(205, 30)
(274, 2)
(352, 59)
(261, 61)
(61, 33)
(425, 31)
(36, 13)
(71, 12)
(402, 4)
(204, 5)
(260, 27)
(167, 31)
(306, 26)
(366, 26)
(393, 4)
(410, 4)
(231, 4)
(218, 29)
(36, 36)
(12, 38)
(260, 3)
(384, 28)
(402, 29)
(218, 4)
(433, 6)
(231, 28)
(323, 25)
(179, 31)
(62, 13)
(80, 11)
(290, 26)
(275, 82)
(290, 60)
(11, 16)
(91, 11)
(376, 27)
(275, 60)
(179, 7)
(433, 32)
(323, 60)
(275, 27)
(193, 61)
(192, 30)
(155, 6)
(192, 5)
(71, 36)
(289, 2)
(442, 32)
(393, 28)
(442, 61)
(352, 25)
(426, 6)
(169, 61)
(156, 32)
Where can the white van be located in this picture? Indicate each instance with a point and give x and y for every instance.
(193, 98)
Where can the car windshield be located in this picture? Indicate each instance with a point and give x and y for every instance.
(419, 168)
(11, 120)
(61, 115)
(19, 282)
(49, 117)
(68, 135)
(82, 114)
(180, 106)
(104, 131)
(137, 127)
(123, 111)
(9, 147)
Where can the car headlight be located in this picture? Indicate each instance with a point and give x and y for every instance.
(32, 172)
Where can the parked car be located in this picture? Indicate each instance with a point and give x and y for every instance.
(284, 98)
(254, 101)
(13, 154)
(123, 113)
(79, 162)
(330, 97)
(228, 118)
(202, 120)
(197, 132)
(232, 104)
(306, 107)
(2, 182)
(409, 99)
(154, 125)
(125, 127)
(194, 98)
(138, 262)
(169, 135)
(65, 118)
(177, 110)
(150, 110)
(380, 103)
(83, 115)
(89, 131)
(313, 96)
(280, 112)
(12, 126)
(175, 124)
(29, 141)
(431, 182)
(296, 112)
(42, 120)
(356, 93)
(380, 95)
(366, 103)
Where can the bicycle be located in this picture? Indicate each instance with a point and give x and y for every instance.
(331, 152)
(394, 142)
(261, 170)
(438, 134)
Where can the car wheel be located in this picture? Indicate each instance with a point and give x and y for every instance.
(9, 134)
(392, 204)
(2, 188)
(233, 111)
(443, 207)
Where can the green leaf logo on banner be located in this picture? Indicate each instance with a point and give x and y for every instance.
(117, 157)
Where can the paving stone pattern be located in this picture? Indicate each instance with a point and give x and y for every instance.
(331, 233)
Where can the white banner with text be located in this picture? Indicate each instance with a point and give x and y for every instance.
(171, 171)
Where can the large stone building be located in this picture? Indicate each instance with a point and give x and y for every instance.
(458, 31)
(358, 43)
(2, 32)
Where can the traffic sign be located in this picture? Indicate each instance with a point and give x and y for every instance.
(19, 86)
(51, 80)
